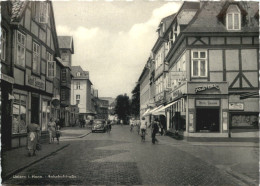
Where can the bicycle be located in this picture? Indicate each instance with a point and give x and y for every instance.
(143, 132)
(131, 128)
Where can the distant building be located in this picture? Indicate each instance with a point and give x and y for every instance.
(81, 92)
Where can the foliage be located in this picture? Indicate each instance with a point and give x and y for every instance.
(122, 108)
(135, 102)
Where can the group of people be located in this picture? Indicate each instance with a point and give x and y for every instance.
(33, 138)
(156, 126)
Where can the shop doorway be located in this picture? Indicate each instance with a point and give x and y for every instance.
(35, 110)
(207, 120)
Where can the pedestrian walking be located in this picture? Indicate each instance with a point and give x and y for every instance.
(155, 129)
(58, 133)
(32, 138)
(143, 127)
(51, 130)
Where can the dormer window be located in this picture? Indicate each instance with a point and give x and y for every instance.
(78, 74)
(233, 18)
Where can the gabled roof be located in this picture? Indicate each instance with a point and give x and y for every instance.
(207, 20)
(66, 42)
(83, 74)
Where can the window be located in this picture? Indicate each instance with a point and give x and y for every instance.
(78, 74)
(19, 114)
(3, 44)
(77, 84)
(233, 18)
(40, 12)
(51, 66)
(199, 64)
(63, 75)
(20, 49)
(77, 99)
(63, 94)
(36, 58)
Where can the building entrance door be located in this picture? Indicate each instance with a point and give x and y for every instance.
(35, 109)
(207, 120)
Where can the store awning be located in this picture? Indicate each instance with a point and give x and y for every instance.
(161, 111)
(146, 112)
(155, 110)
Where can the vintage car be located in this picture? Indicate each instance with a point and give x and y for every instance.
(99, 125)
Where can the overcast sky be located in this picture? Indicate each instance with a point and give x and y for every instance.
(112, 40)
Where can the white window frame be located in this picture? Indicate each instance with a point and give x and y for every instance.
(20, 44)
(51, 73)
(36, 54)
(43, 14)
(78, 73)
(77, 96)
(3, 44)
(77, 85)
(233, 13)
(199, 59)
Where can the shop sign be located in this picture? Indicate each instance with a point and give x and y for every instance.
(7, 78)
(236, 106)
(35, 82)
(206, 87)
(207, 103)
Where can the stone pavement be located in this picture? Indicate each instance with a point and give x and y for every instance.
(15, 160)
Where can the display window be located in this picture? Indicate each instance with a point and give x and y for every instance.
(19, 114)
(244, 121)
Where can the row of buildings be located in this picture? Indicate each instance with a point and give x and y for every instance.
(202, 74)
(38, 81)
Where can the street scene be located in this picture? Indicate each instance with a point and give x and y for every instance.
(121, 158)
(129, 92)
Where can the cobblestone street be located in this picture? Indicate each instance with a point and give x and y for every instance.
(121, 158)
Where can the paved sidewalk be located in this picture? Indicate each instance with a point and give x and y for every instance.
(15, 160)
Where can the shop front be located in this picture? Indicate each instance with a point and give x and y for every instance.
(207, 109)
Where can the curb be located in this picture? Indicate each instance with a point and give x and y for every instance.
(6, 177)
(82, 136)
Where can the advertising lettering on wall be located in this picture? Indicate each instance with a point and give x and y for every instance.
(236, 106)
(206, 87)
(207, 103)
(35, 82)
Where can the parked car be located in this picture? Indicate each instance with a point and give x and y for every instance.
(99, 125)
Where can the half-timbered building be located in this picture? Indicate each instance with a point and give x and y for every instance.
(30, 62)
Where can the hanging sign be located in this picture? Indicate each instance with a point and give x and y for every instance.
(236, 106)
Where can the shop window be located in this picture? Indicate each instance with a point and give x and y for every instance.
(46, 114)
(245, 121)
(20, 41)
(36, 58)
(51, 66)
(233, 18)
(199, 64)
(19, 114)
(3, 45)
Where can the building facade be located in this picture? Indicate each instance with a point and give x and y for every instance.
(66, 50)
(212, 80)
(81, 92)
(29, 50)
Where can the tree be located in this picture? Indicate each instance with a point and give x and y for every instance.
(122, 108)
(135, 102)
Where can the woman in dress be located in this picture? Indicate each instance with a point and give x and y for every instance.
(33, 138)
(51, 130)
